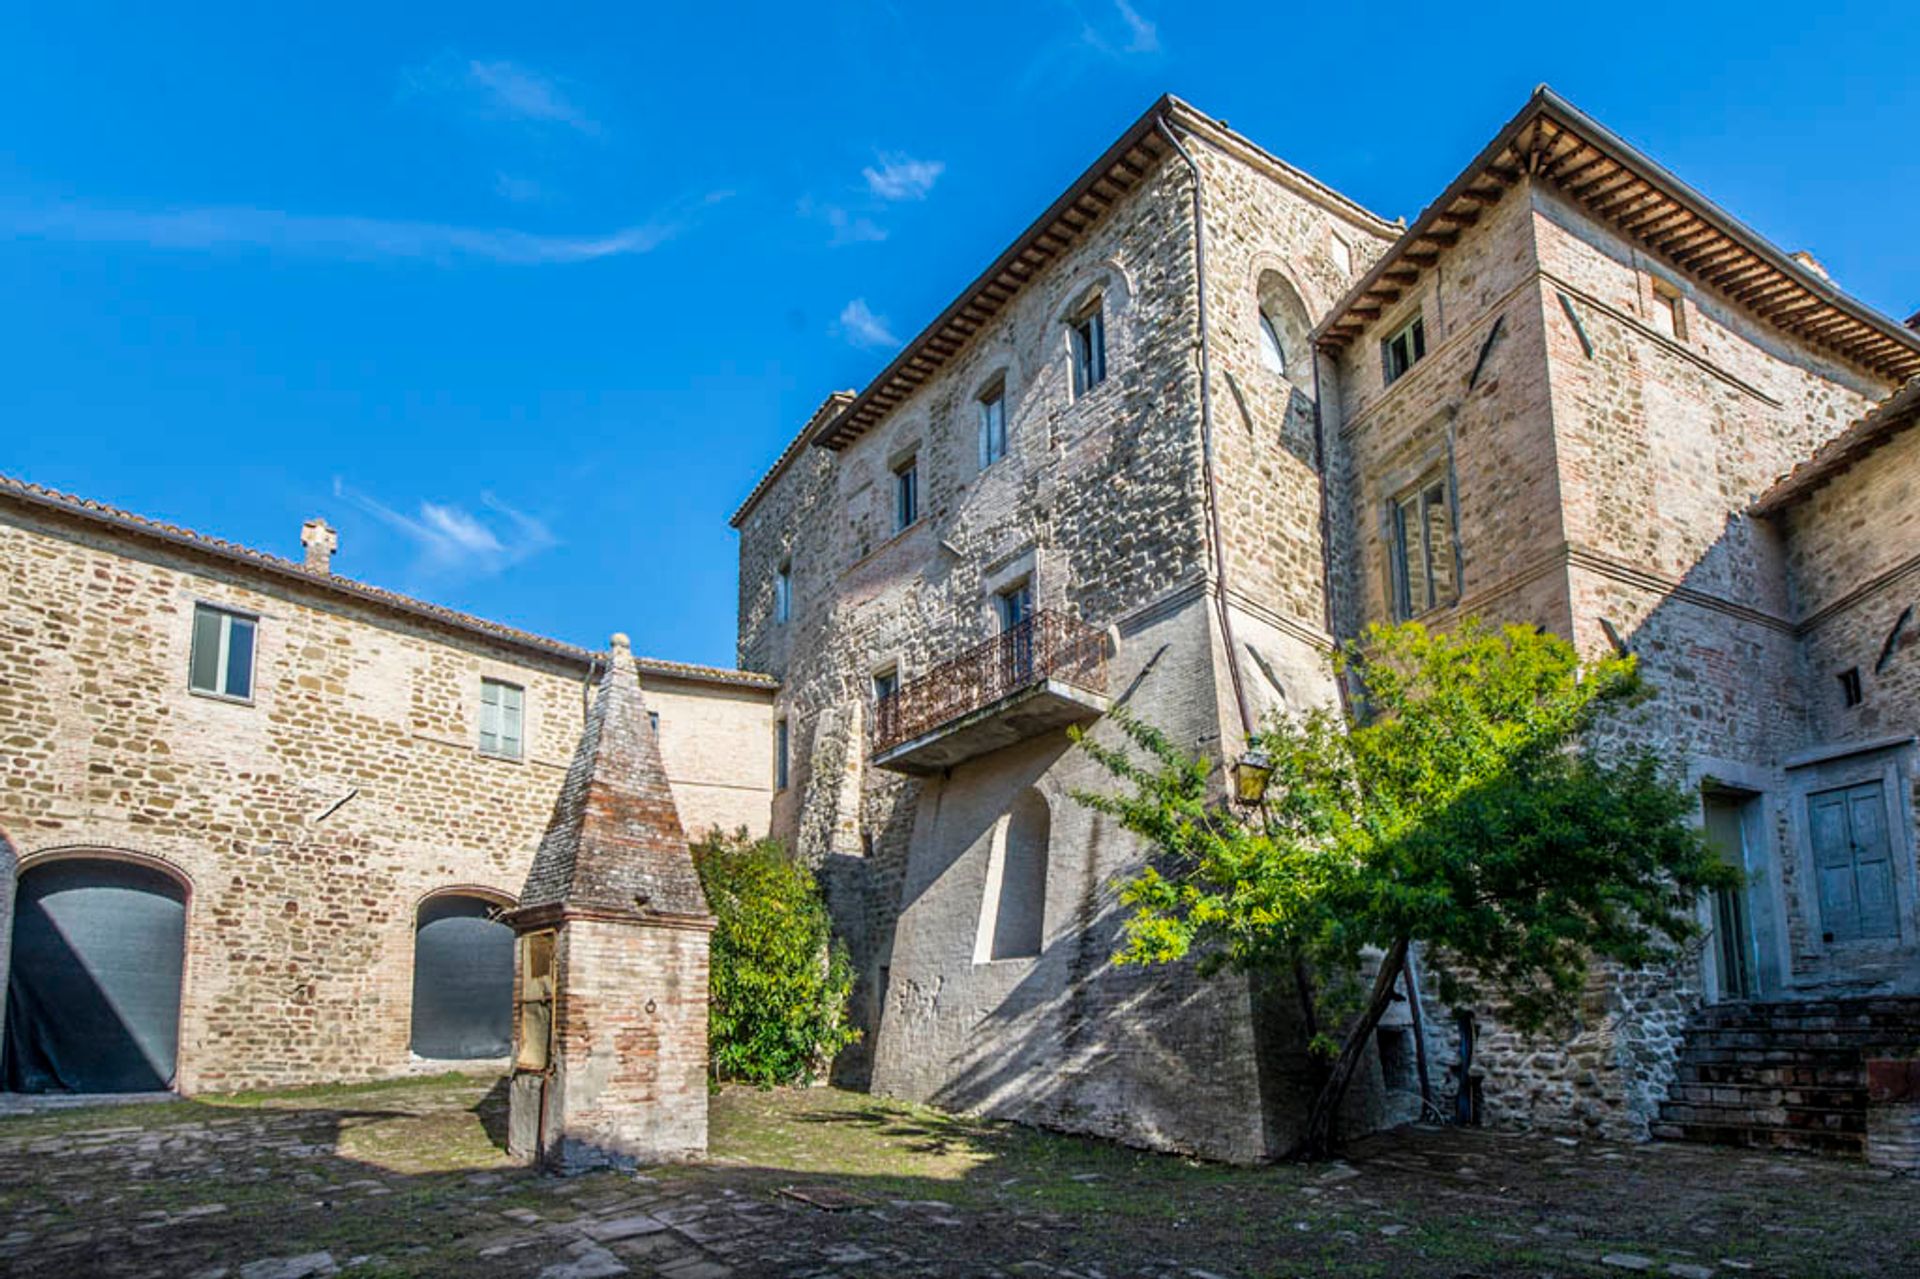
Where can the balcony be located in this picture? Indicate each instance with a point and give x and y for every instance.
(1037, 677)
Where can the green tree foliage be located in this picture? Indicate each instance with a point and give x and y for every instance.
(779, 982)
(1455, 811)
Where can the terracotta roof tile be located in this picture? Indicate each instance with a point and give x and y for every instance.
(1888, 418)
(113, 517)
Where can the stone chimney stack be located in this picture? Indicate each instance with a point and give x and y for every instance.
(320, 540)
(610, 1037)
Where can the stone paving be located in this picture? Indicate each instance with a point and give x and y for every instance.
(376, 1183)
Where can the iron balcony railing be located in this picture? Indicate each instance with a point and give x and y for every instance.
(1047, 645)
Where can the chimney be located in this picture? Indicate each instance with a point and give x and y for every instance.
(1812, 264)
(320, 540)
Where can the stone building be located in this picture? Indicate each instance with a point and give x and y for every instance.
(262, 817)
(1206, 417)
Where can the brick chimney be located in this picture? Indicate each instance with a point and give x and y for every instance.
(320, 540)
(610, 1040)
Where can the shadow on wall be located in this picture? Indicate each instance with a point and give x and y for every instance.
(93, 986)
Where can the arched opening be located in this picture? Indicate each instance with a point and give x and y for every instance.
(1017, 893)
(462, 979)
(1284, 326)
(93, 987)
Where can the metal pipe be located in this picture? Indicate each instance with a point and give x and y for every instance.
(1215, 539)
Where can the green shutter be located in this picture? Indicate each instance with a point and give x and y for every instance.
(489, 716)
(204, 669)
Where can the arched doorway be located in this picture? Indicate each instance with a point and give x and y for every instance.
(93, 987)
(462, 979)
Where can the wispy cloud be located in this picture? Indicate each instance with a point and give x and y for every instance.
(499, 90)
(334, 235)
(1143, 35)
(848, 227)
(901, 177)
(860, 326)
(451, 541)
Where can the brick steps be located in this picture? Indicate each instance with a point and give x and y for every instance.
(1783, 1076)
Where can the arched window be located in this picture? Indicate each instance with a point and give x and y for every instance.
(1272, 354)
(93, 990)
(1013, 921)
(462, 979)
(1284, 326)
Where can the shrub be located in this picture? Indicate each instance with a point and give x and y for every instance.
(780, 981)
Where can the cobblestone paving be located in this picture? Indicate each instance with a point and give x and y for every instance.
(408, 1180)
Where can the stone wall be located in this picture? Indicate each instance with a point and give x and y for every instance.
(1600, 468)
(301, 913)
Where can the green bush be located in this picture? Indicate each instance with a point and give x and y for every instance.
(779, 982)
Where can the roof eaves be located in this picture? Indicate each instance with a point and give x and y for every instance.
(1547, 105)
(101, 515)
(1896, 413)
(842, 429)
(832, 404)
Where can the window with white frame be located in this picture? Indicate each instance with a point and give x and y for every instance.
(906, 493)
(783, 592)
(1404, 348)
(222, 661)
(502, 718)
(1426, 573)
(1088, 337)
(993, 424)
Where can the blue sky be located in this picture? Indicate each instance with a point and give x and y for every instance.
(523, 298)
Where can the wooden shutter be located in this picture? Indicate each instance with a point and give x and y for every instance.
(489, 716)
(512, 700)
(1872, 861)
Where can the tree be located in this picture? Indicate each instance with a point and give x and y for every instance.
(1457, 810)
(778, 980)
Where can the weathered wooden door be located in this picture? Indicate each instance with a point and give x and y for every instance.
(1853, 862)
(1733, 940)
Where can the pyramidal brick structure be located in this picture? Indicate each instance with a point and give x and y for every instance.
(610, 1035)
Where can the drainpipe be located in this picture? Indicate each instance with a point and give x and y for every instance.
(1215, 540)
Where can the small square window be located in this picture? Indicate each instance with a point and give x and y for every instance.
(783, 593)
(222, 659)
(1851, 691)
(1089, 339)
(502, 718)
(780, 754)
(1669, 311)
(1404, 348)
(993, 425)
(653, 722)
(906, 494)
(1424, 569)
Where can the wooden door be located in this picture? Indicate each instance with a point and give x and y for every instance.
(1853, 863)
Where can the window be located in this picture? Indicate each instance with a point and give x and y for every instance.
(906, 494)
(783, 593)
(1089, 339)
(1669, 311)
(653, 722)
(1404, 349)
(1015, 607)
(1014, 604)
(993, 425)
(1423, 559)
(885, 685)
(1851, 691)
(780, 754)
(1272, 354)
(222, 661)
(502, 712)
(1013, 915)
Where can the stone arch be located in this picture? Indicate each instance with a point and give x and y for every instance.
(1014, 909)
(1284, 326)
(462, 988)
(97, 971)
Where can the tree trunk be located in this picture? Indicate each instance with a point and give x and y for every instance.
(1318, 1142)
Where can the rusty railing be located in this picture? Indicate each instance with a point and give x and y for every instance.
(1047, 645)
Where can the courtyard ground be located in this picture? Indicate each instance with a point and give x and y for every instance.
(409, 1179)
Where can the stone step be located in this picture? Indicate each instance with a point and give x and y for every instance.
(1799, 1037)
(1813, 1141)
(1791, 1118)
(1789, 1074)
(1769, 1096)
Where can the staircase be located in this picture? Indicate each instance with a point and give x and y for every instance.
(1790, 1076)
